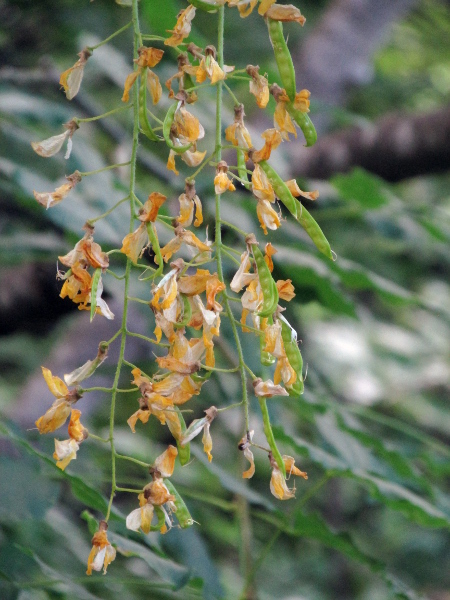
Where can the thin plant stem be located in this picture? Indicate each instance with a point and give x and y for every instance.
(108, 168)
(134, 460)
(102, 116)
(137, 44)
(235, 227)
(235, 100)
(113, 35)
(108, 212)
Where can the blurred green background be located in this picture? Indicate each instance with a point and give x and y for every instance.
(372, 428)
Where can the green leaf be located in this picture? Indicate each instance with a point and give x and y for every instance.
(81, 490)
(392, 494)
(367, 189)
(164, 567)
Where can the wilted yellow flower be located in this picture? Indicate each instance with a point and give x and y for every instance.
(182, 27)
(261, 186)
(59, 411)
(102, 553)
(197, 426)
(301, 100)
(49, 199)
(244, 445)
(188, 201)
(245, 7)
(281, 116)
(272, 139)
(71, 78)
(259, 86)
(53, 145)
(267, 389)
(237, 133)
(278, 485)
(285, 289)
(296, 191)
(267, 216)
(222, 182)
(286, 12)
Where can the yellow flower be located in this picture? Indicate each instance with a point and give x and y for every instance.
(259, 86)
(281, 117)
(133, 244)
(59, 411)
(278, 485)
(147, 57)
(296, 191)
(71, 78)
(267, 389)
(187, 202)
(244, 445)
(52, 145)
(86, 253)
(301, 101)
(286, 290)
(49, 199)
(245, 7)
(182, 27)
(197, 426)
(141, 518)
(237, 133)
(222, 182)
(267, 216)
(102, 553)
(149, 211)
(65, 452)
(165, 462)
(272, 139)
(261, 186)
(288, 12)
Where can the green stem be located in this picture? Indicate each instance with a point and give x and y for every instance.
(218, 231)
(102, 116)
(134, 460)
(137, 44)
(269, 435)
(235, 100)
(231, 226)
(108, 212)
(108, 168)
(113, 35)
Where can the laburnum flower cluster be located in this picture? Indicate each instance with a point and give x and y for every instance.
(187, 300)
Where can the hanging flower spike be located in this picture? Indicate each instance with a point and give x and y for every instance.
(188, 201)
(53, 145)
(278, 485)
(49, 199)
(59, 411)
(285, 13)
(244, 445)
(237, 133)
(259, 86)
(71, 78)
(281, 117)
(102, 553)
(267, 389)
(197, 426)
(182, 27)
(222, 182)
